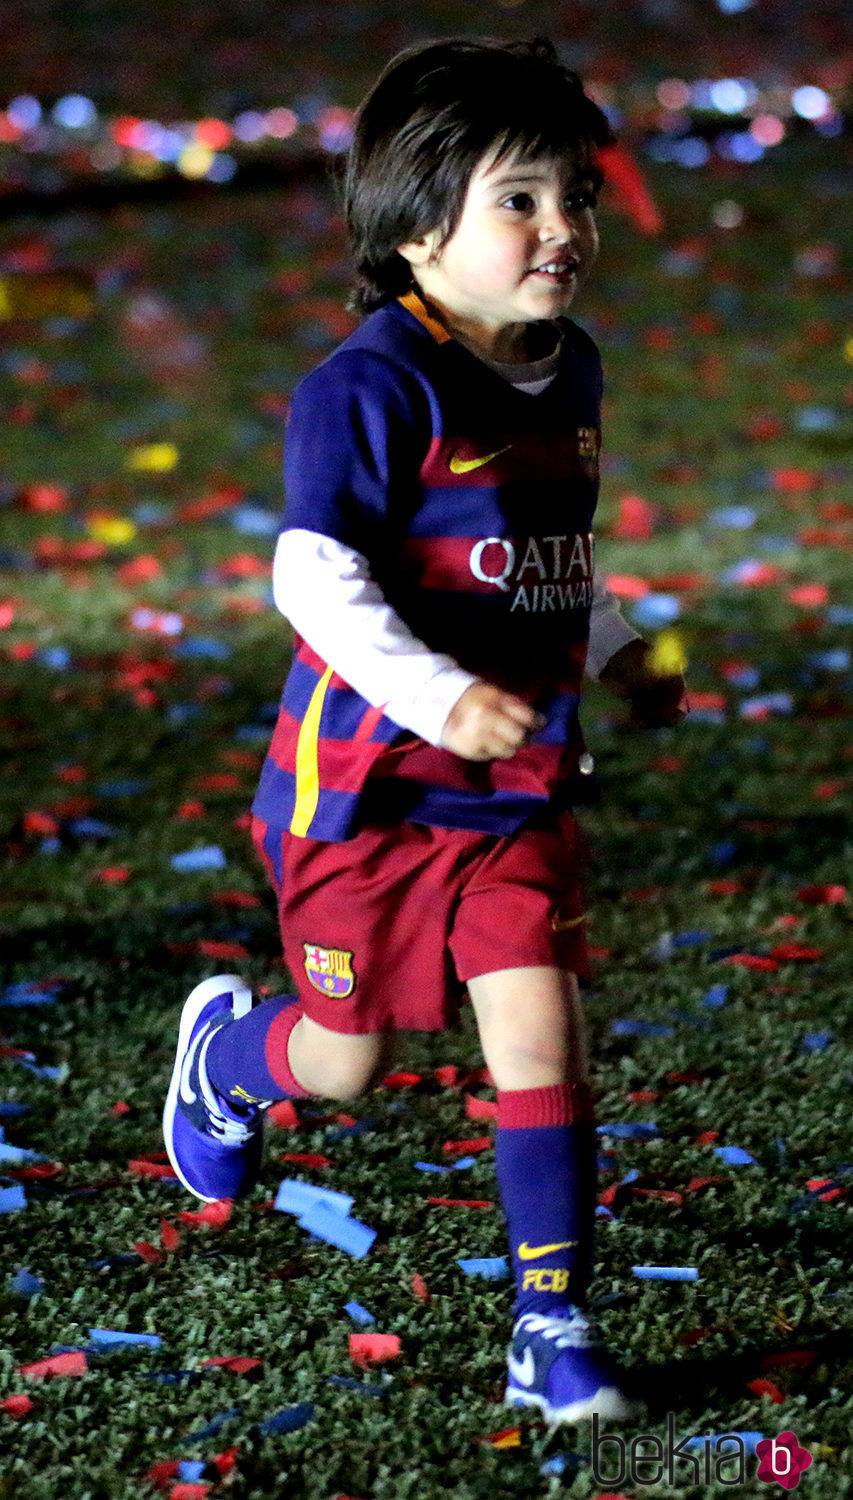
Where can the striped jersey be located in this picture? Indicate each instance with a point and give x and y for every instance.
(473, 502)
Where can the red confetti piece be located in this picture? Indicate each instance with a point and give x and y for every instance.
(307, 1158)
(112, 875)
(373, 1348)
(218, 781)
(283, 1115)
(643, 1096)
(480, 1109)
(679, 583)
(211, 505)
(149, 1166)
(71, 774)
(40, 822)
(822, 895)
(191, 809)
(751, 961)
(509, 1437)
(688, 1077)
(149, 1253)
(697, 1183)
(237, 899)
(225, 1462)
(185, 1491)
(344, 1119)
(238, 1364)
(636, 518)
(625, 586)
(724, 887)
(140, 569)
(460, 1203)
(170, 1239)
(401, 1080)
(419, 1288)
(447, 1075)
(693, 1336)
(766, 1388)
(796, 953)
(808, 595)
(216, 1214)
(16, 1406)
(463, 1148)
(39, 1172)
(666, 1194)
(73, 1363)
(119, 1108)
(160, 1474)
(818, 1182)
(707, 1138)
(211, 948)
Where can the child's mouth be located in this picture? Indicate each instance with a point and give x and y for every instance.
(559, 273)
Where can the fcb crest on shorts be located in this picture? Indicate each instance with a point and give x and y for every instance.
(329, 970)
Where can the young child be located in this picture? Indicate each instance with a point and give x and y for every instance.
(436, 562)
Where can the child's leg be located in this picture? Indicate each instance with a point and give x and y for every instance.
(276, 1052)
(534, 1043)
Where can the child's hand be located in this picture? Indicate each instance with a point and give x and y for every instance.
(488, 724)
(658, 700)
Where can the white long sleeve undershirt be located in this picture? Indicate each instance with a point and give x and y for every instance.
(326, 591)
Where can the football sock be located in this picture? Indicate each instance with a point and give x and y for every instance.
(545, 1157)
(247, 1058)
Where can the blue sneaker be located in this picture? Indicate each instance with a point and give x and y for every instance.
(214, 1148)
(558, 1364)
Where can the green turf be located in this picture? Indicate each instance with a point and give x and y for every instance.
(762, 803)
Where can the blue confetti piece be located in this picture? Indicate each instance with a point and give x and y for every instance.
(191, 1470)
(656, 609)
(127, 788)
(25, 1284)
(639, 1028)
(706, 716)
(744, 677)
(665, 1273)
(830, 661)
(56, 657)
(295, 1197)
(716, 996)
(336, 1229)
(359, 1314)
(733, 517)
(690, 939)
(349, 1383)
(428, 1166)
(30, 992)
(203, 646)
(340, 1132)
(107, 1262)
(492, 1268)
(211, 858)
(91, 828)
(290, 1419)
(114, 1336)
(774, 703)
(815, 419)
(213, 1428)
(56, 1075)
(252, 734)
(251, 520)
(839, 614)
(734, 1156)
(630, 1130)
(18, 1156)
(10, 1109)
(12, 1198)
(562, 1463)
(815, 1041)
(602, 1212)
(463, 1162)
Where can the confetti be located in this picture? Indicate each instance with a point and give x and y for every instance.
(290, 1419)
(492, 1268)
(373, 1348)
(665, 1273)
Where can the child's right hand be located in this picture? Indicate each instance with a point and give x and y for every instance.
(488, 724)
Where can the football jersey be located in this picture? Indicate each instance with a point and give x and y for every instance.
(473, 502)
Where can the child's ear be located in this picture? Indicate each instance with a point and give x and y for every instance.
(420, 252)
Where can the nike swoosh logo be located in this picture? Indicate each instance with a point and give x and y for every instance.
(532, 1252)
(522, 1370)
(465, 465)
(562, 924)
(202, 1042)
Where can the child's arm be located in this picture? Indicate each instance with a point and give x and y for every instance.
(620, 658)
(325, 589)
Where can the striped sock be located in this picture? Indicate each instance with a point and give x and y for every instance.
(247, 1058)
(545, 1157)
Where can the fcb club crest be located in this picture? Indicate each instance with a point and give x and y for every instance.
(329, 970)
(589, 443)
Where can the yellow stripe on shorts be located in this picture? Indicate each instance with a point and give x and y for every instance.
(307, 765)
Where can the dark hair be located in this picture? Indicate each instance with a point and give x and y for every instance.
(431, 117)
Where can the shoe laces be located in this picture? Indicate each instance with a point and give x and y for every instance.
(224, 1123)
(571, 1330)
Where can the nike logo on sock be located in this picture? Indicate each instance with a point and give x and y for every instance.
(530, 1252)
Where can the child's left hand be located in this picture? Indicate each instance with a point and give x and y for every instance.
(658, 700)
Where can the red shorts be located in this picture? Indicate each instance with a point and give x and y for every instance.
(383, 931)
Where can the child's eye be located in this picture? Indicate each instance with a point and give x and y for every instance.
(520, 202)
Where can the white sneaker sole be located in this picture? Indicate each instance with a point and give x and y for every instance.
(193, 1007)
(607, 1403)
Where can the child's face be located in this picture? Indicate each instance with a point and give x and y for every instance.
(525, 242)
